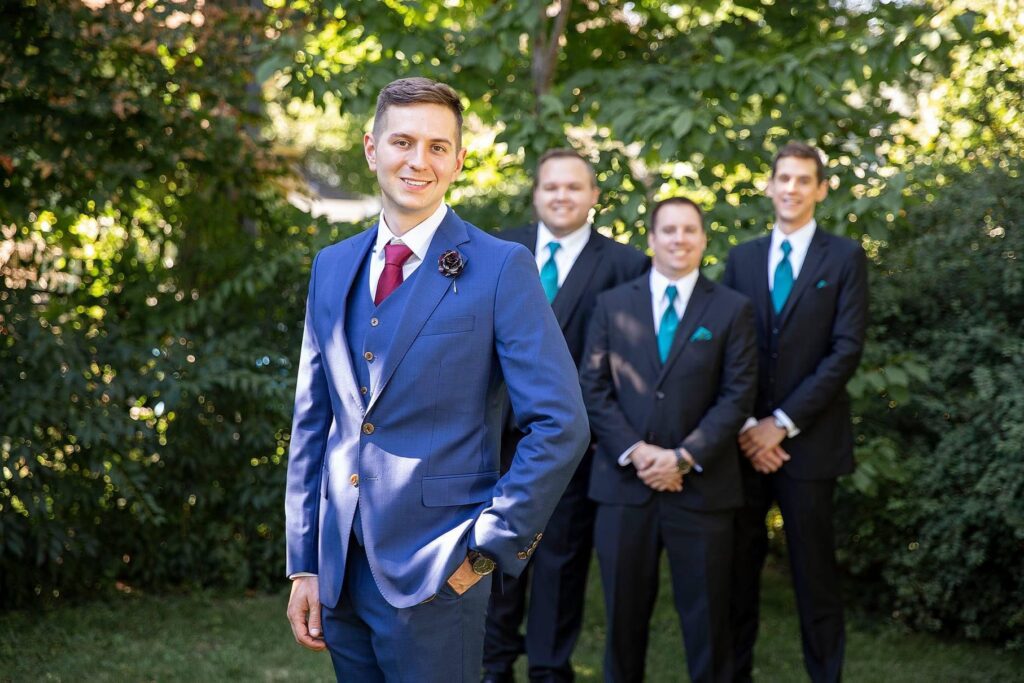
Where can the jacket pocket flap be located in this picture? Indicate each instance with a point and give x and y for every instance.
(462, 323)
(459, 489)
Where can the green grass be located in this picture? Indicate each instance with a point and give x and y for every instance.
(209, 638)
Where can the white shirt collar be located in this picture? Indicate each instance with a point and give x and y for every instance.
(799, 239)
(684, 285)
(571, 243)
(417, 239)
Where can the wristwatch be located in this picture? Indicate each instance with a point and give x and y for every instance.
(682, 464)
(480, 563)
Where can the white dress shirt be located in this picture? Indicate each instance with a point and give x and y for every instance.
(565, 257)
(417, 239)
(799, 239)
(659, 304)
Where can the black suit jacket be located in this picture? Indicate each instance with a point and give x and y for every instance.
(603, 264)
(807, 353)
(697, 400)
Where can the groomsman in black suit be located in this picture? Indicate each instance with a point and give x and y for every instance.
(810, 294)
(668, 379)
(576, 263)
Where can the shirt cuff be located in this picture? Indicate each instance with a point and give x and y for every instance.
(299, 575)
(791, 428)
(750, 423)
(624, 458)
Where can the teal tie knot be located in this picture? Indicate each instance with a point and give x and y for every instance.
(669, 323)
(783, 284)
(549, 273)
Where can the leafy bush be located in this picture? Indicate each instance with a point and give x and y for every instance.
(941, 544)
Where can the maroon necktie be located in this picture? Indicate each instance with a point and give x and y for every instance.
(395, 256)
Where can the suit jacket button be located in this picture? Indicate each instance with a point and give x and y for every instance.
(354, 480)
(775, 355)
(522, 555)
(368, 356)
(775, 330)
(363, 390)
(659, 395)
(367, 428)
(374, 322)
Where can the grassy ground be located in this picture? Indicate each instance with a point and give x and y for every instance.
(209, 638)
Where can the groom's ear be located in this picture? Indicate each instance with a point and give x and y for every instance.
(370, 150)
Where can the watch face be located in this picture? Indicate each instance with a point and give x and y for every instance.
(483, 565)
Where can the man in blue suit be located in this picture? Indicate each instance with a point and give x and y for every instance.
(810, 295)
(395, 511)
(668, 378)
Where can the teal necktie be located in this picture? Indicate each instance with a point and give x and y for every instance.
(783, 279)
(669, 323)
(549, 273)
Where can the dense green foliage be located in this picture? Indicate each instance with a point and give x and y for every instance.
(154, 275)
(941, 546)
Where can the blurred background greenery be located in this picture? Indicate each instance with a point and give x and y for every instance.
(158, 163)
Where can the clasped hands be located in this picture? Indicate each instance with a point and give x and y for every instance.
(657, 467)
(760, 444)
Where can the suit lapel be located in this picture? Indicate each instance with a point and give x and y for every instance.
(812, 262)
(571, 291)
(339, 284)
(640, 305)
(693, 314)
(762, 295)
(429, 287)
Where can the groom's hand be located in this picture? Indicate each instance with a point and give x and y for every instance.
(464, 577)
(304, 613)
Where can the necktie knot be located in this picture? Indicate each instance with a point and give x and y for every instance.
(671, 293)
(786, 248)
(396, 254)
(553, 247)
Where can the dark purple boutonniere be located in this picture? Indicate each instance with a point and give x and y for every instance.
(450, 264)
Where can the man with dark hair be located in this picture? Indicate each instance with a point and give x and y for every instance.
(668, 378)
(576, 263)
(417, 332)
(809, 290)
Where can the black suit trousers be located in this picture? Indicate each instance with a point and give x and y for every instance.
(806, 507)
(629, 540)
(554, 584)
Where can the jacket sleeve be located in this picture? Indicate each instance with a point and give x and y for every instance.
(545, 396)
(310, 424)
(611, 427)
(835, 369)
(737, 386)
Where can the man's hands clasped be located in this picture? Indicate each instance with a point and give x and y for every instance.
(657, 467)
(761, 445)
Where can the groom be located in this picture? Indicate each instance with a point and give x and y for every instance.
(416, 331)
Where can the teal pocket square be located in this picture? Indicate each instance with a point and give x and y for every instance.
(822, 284)
(701, 334)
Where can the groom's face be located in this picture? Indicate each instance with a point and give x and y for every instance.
(416, 155)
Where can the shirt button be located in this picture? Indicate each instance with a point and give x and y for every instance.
(363, 390)
(367, 428)
(374, 322)
(354, 480)
(775, 330)
(368, 356)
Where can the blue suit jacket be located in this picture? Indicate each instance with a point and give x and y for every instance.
(426, 445)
